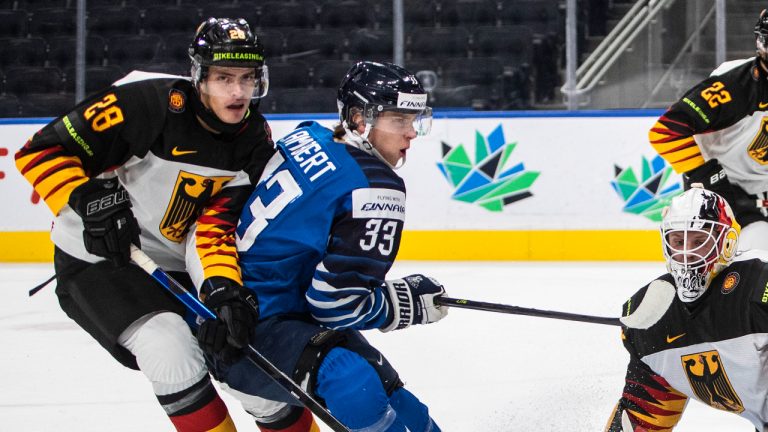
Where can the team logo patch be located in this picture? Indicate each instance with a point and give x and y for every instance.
(709, 381)
(190, 194)
(758, 149)
(176, 101)
(730, 282)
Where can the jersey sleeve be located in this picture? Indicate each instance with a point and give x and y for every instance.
(714, 104)
(648, 402)
(94, 137)
(347, 289)
(214, 233)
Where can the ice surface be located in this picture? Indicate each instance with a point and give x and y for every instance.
(477, 371)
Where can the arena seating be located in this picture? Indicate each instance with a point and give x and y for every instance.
(487, 54)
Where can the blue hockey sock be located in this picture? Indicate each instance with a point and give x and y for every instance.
(412, 412)
(354, 394)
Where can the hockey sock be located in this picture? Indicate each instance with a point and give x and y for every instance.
(412, 412)
(353, 392)
(198, 409)
(298, 419)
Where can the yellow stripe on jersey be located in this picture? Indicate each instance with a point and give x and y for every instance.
(681, 151)
(52, 179)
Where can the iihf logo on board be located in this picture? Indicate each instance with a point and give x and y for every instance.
(648, 195)
(493, 181)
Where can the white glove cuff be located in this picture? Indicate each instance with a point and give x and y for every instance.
(401, 300)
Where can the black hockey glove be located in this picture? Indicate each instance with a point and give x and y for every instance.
(712, 176)
(109, 224)
(237, 311)
(413, 301)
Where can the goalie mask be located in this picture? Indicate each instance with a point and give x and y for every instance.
(229, 43)
(699, 236)
(379, 91)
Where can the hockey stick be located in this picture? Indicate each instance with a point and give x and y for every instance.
(657, 299)
(517, 310)
(193, 303)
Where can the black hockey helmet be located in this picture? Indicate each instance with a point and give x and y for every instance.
(228, 42)
(761, 36)
(375, 87)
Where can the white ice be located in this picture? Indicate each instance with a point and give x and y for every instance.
(477, 371)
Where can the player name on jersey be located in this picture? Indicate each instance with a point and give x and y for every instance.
(309, 154)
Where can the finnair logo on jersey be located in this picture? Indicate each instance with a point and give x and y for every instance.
(375, 203)
(411, 101)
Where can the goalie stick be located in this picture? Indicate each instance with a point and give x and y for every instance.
(658, 297)
(251, 353)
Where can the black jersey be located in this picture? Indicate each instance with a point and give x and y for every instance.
(182, 178)
(725, 117)
(716, 352)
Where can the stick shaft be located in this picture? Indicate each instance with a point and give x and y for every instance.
(517, 310)
(253, 355)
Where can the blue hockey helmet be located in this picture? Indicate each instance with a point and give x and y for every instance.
(375, 87)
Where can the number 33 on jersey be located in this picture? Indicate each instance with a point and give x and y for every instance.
(325, 215)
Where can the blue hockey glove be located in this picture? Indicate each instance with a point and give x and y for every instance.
(109, 224)
(413, 301)
(237, 311)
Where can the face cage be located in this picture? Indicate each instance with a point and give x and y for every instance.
(694, 259)
(200, 72)
(422, 123)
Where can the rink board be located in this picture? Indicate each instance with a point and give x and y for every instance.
(554, 168)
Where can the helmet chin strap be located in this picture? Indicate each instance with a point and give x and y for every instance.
(352, 137)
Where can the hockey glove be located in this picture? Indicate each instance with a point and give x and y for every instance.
(237, 311)
(712, 176)
(109, 224)
(413, 301)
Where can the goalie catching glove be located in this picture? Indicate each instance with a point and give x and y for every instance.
(237, 311)
(413, 301)
(109, 227)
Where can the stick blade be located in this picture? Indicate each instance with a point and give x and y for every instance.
(655, 304)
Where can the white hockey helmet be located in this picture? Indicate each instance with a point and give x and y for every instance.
(699, 236)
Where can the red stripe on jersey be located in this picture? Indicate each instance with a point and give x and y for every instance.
(45, 174)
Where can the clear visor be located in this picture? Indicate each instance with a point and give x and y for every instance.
(399, 121)
(692, 247)
(236, 82)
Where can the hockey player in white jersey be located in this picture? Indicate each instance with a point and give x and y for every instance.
(717, 134)
(710, 342)
(156, 160)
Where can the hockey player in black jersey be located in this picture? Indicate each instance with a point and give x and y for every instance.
(166, 163)
(704, 331)
(717, 134)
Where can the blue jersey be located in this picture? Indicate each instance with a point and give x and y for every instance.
(321, 230)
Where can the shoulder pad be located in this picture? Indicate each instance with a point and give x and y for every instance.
(730, 65)
(143, 76)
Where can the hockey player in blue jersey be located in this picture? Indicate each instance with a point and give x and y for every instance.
(315, 242)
